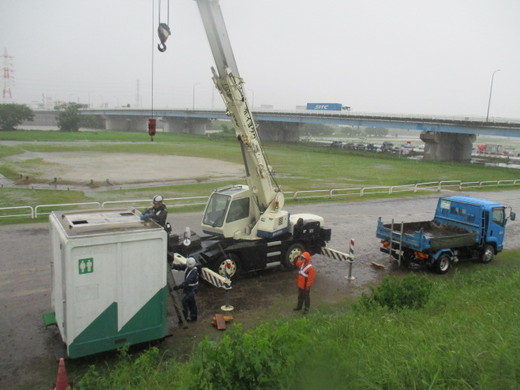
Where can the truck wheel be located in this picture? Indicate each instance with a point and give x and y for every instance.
(292, 254)
(488, 254)
(442, 265)
(233, 271)
(407, 258)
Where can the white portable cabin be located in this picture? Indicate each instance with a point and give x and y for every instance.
(108, 279)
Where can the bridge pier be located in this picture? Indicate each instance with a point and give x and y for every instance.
(279, 131)
(447, 146)
(185, 125)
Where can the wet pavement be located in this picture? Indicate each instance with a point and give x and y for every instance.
(27, 349)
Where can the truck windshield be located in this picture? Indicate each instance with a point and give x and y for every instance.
(216, 210)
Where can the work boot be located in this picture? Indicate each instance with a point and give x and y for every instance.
(297, 308)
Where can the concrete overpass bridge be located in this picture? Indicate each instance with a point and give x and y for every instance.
(446, 138)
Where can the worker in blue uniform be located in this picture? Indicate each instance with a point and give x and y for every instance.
(189, 288)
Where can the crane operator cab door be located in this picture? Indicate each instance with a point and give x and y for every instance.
(228, 212)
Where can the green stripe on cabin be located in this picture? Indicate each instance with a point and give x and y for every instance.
(149, 323)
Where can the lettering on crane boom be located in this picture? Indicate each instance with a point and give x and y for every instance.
(249, 122)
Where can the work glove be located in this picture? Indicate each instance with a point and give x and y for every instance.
(176, 288)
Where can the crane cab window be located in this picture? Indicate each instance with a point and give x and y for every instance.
(238, 209)
(216, 210)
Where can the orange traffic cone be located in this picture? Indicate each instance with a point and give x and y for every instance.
(62, 382)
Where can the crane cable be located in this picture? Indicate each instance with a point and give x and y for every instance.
(152, 122)
(164, 29)
(164, 32)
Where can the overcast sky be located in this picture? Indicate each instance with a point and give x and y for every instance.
(377, 56)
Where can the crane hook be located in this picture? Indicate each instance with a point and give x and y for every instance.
(164, 32)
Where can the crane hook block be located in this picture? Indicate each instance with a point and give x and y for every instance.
(152, 124)
(164, 32)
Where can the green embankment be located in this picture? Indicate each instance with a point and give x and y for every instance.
(461, 334)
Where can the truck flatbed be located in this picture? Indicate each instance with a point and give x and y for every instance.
(437, 236)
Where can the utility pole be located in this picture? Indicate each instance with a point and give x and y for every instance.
(137, 94)
(7, 70)
(490, 92)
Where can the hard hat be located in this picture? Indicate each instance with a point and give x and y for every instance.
(190, 262)
(306, 256)
(157, 199)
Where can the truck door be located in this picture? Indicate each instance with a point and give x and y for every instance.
(496, 228)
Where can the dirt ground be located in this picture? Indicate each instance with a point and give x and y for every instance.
(70, 167)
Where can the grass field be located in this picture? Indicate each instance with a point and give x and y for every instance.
(297, 166)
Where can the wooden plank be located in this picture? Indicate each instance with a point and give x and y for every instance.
(221, 322)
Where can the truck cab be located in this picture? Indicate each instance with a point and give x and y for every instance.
(484, 217)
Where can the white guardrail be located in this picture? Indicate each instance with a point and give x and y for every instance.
(46, 209)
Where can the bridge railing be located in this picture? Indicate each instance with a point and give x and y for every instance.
(333, 193)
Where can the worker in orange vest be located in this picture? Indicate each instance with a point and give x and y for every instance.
(306, 275)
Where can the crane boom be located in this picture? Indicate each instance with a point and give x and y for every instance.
(218, 38)
(230, 85)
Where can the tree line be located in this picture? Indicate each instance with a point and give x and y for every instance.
(68, 117)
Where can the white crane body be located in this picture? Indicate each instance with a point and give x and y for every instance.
(247, 223)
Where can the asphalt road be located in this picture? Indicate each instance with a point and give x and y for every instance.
(27, 349)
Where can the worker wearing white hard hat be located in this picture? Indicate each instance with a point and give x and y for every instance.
(189, 288)
(158, 212)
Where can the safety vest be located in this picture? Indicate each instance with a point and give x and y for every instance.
(303, 270)
(187, 274)
(306, 276)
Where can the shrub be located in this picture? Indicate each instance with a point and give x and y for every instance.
(259, 359)
(410, 292)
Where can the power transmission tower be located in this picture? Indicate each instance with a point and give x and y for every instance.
(7, 70)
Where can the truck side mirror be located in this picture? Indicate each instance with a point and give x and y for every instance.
(512, 216)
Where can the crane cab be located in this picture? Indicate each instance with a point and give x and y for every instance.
(232, 213)
(228, 211)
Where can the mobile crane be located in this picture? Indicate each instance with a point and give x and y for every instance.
(246, 224)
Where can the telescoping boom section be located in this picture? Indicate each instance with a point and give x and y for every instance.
(263, 200)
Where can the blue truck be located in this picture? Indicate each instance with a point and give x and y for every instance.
(463, 228)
